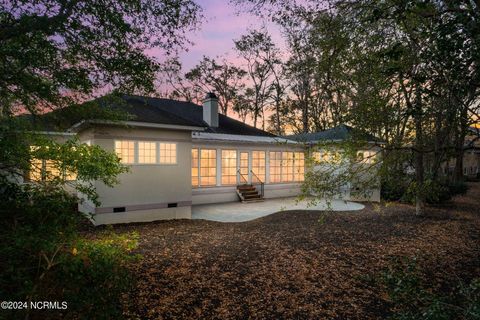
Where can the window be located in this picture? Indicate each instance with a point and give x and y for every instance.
(125, 150)
(36, 168)
(287, 166)
(258, 164)
(147, 152)
(275, 167)
(195, 168)
(229, 167)
(366, 156)
(48, 170)
(243, 177)
(299, 166)
(208, 167)
(168, 153)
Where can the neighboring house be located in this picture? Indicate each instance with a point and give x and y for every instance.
(181, 154)
(471, 156)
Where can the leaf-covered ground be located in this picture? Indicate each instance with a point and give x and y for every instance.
(294, 265)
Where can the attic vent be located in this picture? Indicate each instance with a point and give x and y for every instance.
(173, 205)
(119, 209)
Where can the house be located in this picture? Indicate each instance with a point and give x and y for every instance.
(471, 156)
(181, 154)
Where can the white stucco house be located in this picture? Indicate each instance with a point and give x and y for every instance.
(181, 154)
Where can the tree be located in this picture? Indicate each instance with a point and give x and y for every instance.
(54, 53)
(224, 79)
(52, 47)
(406, 71)
(258, 51)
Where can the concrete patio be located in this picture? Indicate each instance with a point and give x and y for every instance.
(240, 212)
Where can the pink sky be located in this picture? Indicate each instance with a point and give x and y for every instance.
(222, 25)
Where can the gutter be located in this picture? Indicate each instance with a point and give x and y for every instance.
(77, 127)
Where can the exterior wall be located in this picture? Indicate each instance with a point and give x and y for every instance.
(147, 191)
(229, 194)
(220, 194)
(350, 192)
(143, 215)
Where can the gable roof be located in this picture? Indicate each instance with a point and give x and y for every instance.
(339, 133)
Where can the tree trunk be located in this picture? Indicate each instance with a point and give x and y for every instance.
(419, 158)
(277, 117)
(459, 144)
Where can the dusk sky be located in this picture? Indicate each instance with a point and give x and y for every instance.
(222, 25)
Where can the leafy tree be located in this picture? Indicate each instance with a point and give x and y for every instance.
(54, 53)
(406, 71)
(50, 47)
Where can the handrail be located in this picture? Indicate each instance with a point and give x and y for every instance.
(242, 176)
(262, 185)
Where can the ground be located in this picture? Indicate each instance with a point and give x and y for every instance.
(298, 264)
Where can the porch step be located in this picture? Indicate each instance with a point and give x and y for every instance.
(248, 193)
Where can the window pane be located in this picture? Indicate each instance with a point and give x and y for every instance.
(147, 152)
(208, 167)
(125, 150)
(287, 166)
(168, 153)
(299, 169)
(258, 164)
(229, 167)
(195, 168)
(275, 167)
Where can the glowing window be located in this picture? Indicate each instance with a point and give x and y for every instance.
(229, 167)
(299, 166)
(275, 167)
(147, 152)
(258, 164)
(125, 150)
(168, 153)
(195, 168)
(287, 166)
(243, 177)
(208, 167)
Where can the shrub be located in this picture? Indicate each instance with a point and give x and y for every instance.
(435, 191)
(414, 298)
(45, 259)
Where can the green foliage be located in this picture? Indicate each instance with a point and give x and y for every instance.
(413, 298)
(48, 260)
(95, 273)
(48, 47)
(435, 191)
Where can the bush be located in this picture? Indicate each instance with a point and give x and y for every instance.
(45, 259)
(414, 298)
(436, 192)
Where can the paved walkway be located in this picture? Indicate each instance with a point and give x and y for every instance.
(239, 212)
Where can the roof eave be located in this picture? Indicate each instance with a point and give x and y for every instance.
(80, 125)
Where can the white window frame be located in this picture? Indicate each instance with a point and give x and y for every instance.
(159, 158)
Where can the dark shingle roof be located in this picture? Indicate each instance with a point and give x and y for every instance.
(340, 132)
(140, 109)
(168, 111)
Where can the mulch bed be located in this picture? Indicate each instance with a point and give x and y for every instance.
(295, 265)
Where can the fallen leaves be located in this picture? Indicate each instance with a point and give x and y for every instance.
(287, 265)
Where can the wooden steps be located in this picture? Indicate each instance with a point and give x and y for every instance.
(248, 193)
